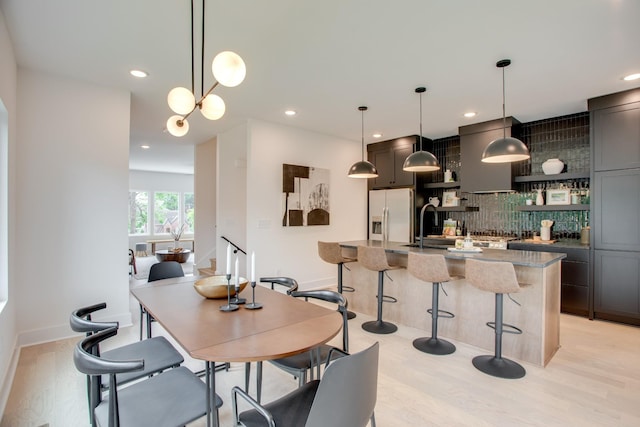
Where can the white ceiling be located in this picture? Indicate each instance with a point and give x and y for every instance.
(326, 58)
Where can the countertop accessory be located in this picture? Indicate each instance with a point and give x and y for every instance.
(228, 69)
(552, 166)
(584, 235)
(505, 149)
(465, 250)
(421, 161)
(545, 230)
(363, 168)
(214, 287)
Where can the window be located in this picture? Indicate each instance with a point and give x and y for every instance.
(166, 212)
(188, 213)
(138, 212)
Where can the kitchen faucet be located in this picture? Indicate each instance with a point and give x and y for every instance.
(435, 221)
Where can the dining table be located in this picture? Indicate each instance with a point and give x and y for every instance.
(284, 326)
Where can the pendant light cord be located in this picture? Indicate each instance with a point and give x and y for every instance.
(202, 56)
(504, 114)
(362, 134)
(192, 53)
(420, 121)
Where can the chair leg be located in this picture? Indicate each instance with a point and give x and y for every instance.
(433, 344)
(496, 365)
(247, 376)
(259, 382)
(350, 314)
(379, 326)
(141, 320)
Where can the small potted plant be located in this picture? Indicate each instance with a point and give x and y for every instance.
(176, 233)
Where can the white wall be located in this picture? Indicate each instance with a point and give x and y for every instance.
(158, 181)
(72, 191)
(8, 320)
(288, 251)
(205, 193)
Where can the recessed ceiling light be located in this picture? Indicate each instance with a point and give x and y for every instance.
(290, 113)
(377, 135)
(630, 77)
(138, 73)
(145, 147)
(470, 114)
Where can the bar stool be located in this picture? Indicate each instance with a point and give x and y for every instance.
(432, 268)
(375, 258)
(499, 278)
(331, 252)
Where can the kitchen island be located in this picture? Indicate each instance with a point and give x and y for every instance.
(538, 314)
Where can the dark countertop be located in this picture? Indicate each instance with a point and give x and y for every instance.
(516, 257)
(562, 243)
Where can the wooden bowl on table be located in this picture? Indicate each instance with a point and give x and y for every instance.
(216, 286)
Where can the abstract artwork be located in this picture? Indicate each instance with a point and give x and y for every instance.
(305, 192)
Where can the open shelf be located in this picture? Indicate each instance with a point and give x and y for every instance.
(557, 177)
(455, 184)
(457, 209)
(553, 208)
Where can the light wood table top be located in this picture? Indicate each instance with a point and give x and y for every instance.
(283, 327)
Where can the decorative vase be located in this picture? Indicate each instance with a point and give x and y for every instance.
(539, 198)
(552, 166)
(175, 244)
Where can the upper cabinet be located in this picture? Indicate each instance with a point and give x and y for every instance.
(616, 130)
(479, 177)
(388, 157)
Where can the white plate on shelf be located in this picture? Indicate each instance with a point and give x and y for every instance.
(473, 250)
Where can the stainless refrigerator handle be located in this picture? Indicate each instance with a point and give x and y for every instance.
(385, 224)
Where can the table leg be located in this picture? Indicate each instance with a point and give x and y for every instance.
(212, 410)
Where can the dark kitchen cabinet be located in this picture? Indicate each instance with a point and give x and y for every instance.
(615, 200)
(575, 280)
(388, 157)
(617, 286)
(616, 130)
(479, 177)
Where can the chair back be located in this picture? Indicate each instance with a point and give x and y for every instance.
(331, 252)
(336, 298)
(80, 320)
(287, 282)
(373, 258)
(496, 277)
(165, 270)
(347, 392)
(428, 267)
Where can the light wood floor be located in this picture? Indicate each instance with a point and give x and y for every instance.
(593, 380)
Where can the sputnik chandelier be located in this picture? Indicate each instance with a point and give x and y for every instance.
(228, 69)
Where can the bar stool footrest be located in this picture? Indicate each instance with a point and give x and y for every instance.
(442, 313)
(499, 367)
(379, 327)
(348, 288)
(389, 299)
(434, 346)
(507, 329)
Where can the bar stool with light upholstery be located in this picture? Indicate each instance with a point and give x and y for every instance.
(331, 252)
(499, 278)
(432, 268)
(375, 258)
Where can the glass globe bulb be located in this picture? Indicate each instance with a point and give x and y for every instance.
(228, 68)
(177, 126)
(212, 107)
(181, 100)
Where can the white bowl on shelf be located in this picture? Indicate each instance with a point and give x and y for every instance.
(552, 166)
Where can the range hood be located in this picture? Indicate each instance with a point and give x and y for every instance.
(479, 177)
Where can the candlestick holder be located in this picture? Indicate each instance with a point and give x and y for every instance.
(253, 305)
(236, 299)
(229, 306)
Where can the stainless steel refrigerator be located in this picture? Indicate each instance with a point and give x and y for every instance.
(391, 215)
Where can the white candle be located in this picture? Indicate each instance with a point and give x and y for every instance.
(253, 266)
(237, 282)
(228, 259)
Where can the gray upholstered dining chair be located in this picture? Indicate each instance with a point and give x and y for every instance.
(159, 271)
(346, 396)
(158, 353)
(173, 398)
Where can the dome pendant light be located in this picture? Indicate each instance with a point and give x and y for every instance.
(421, 161)
(505, 149)
(363, 169)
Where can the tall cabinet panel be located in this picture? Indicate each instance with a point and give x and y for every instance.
(388, 157)
(615, 134)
